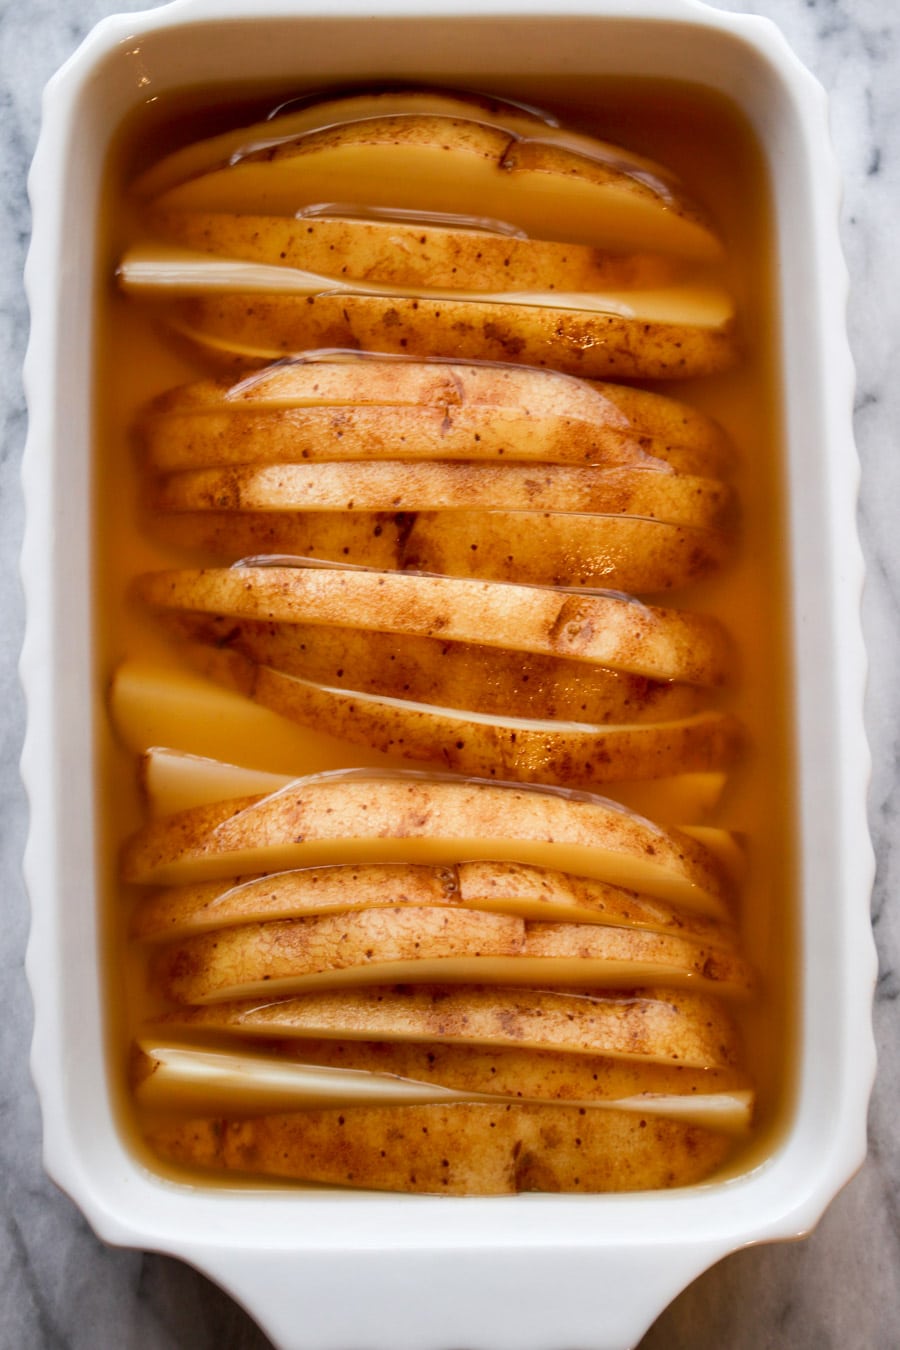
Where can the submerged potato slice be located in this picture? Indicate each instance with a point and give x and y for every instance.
(535, 1075)
(535, 893)
(438, 943)
(234, 330)
(583, 191)
(678, 1028)
(177, 1078)
(601, 629)
(679, 499)
(409, 818)
(174, 781)
(366, 407)
(415, 254)
(490, 746)
(464, 1148)
(431, 670)
(622, 553)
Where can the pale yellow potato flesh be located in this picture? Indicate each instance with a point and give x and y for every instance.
(439, 943)
(534, 893)
(465, 1148)
(410, 254)
(413, 818)
(680, 499)
(430, 670)
(608, 630)
(435, 163)
(234, 330)
(154, 704)
(622, 553)
(673, 1027)
(303, 116)
(493, 746)
(174, 781)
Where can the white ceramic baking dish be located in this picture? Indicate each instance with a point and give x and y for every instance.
(535, 1272)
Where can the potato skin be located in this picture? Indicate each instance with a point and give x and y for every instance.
(459, 1149)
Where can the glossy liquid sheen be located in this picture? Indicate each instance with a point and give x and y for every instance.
(705, 142)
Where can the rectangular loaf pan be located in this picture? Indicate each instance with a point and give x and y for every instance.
(536, 1271)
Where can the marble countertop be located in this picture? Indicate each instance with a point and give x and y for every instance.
(60, 1287)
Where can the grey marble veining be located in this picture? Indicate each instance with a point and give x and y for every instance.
(60, 1289)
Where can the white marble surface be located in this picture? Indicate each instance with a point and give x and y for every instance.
(59, 1287)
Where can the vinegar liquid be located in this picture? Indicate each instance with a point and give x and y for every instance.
(704, 140)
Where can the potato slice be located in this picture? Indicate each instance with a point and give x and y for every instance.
(412, 253)
(297, 119)
(174, 1078)
(609, 630)
(464, 1148)
(491, 746)
(416, 945)
(409, 818)
(623, 553)
(362, 407)
(377, 945)
(498, 887)
(679, 499)
(537, 1075)
(692, 336)
(580, 191)
(174, 781)
(430, 670)
(678, 1028)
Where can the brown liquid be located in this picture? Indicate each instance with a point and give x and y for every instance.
(706, 143)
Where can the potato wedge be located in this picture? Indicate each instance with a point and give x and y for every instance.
(234, 330)
(508, 748)
(176, 1078)
(533, 1075)
(174, 781)
(459, 1149)
(622, 553)
(410, 817)
(678, 1028)
(412, 254)
(367, 407)
(537, 179)
(679, 499)
(535, 893)
(608, 630)
(430, 670)
(297, 119)
(374, 946)
(440, 943)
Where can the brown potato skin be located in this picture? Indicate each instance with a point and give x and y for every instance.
(460, 1149)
